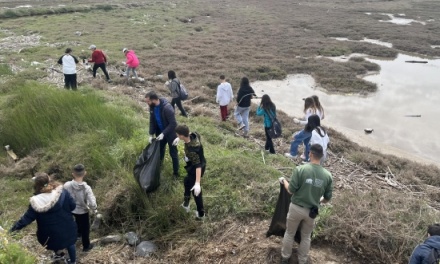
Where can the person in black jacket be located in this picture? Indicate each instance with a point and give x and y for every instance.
(163, 124)
(241, 113)
(52, 207)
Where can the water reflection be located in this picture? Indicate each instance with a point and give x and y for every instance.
(403, 89)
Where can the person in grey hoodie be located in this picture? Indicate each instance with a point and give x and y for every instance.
(173, 85)
(84, 199)
(224, 97)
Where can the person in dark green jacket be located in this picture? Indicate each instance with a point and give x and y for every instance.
(267, 109)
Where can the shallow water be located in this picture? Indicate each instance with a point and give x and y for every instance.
(400, 20)
(403, 89)
(372, 41)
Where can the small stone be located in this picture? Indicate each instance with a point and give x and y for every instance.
(145, 249)
(132, 238)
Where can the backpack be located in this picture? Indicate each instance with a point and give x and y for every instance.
(183, 93)
(433, 257)
(275, 130)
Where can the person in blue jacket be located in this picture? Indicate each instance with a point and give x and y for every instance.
(267, 109)
(422, 252)
(51, 206)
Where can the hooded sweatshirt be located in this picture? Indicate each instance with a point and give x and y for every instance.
(422, 251)
(132, 59)
(83, 196)
(174, 87)
(224, 94)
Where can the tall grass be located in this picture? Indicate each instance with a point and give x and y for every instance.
(38, 115)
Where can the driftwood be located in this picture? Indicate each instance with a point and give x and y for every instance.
(414, 61)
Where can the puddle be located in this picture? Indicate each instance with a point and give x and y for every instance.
(400, 20)
(344, 58)
(372, 41)
(403, 89)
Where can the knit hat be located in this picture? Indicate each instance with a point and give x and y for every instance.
(124, 50)
(92, 47)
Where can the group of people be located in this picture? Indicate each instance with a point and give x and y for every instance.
(99, 60)
(55, 206)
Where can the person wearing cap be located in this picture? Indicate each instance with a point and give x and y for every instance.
(309, 185)
(51, 206)
(69, 69)
(100, 60)
(85, 200)
(132, 62)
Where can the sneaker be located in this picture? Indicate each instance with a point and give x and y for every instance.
(241, 126)
(196, 213)
(187, 209)
(109, 81)
(89, 248)
(246, 134)
(289, 155)
(58, 256)
(284, 260)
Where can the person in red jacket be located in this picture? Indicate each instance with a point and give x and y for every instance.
(132, 62)
(100, 60)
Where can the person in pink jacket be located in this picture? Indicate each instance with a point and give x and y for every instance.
(132, 62)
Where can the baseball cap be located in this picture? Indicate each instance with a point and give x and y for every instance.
(124, 49)
(92, 47)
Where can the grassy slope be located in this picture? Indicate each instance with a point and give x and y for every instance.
(247, 38)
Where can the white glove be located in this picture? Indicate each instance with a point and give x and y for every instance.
(160, 137)
(185, 159)
(197, 189)
(176, 141)
(95, 212)
(150, 139)
(124, 63)
(296, 120)
(281, 180)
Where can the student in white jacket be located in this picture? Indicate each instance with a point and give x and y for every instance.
(84, 198)
(320, 137)
(224, 96)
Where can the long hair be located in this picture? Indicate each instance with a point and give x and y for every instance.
(43, 183)
(309, 103)
(267, 104)
(244, 82)
(313, 122)
(318, 105)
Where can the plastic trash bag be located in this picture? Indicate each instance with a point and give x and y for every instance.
(278, 225)
(147, 168)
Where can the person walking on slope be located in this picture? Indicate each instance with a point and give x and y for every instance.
(303, 135)
(320, 136)
(422, 253)
(132, 63)
(309, 185)
(52, 207)
(162, 125)
(241, 113)
(173, 85)
(69, 69)
(84, 199)
(309, 109)
(195, 167)
(224, 97)
(100, 60)
(267, 109)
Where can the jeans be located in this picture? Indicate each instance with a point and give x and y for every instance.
(298, 138)
(189, 182)
(298, 216)
(83, 224)
(224, 112)
(127, 72)
(173, 153)
(269, 143)
(102, 66)
(177, 101)
(70, 81)
(242, 116)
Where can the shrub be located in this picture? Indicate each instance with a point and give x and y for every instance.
(11, 252)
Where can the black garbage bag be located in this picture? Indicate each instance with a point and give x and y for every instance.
(147, 168)
(278, 225)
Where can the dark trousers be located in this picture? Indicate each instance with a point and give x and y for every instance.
(224, 112)
(70, 81)
(173, 153)
(189, 182)
(83, 224)
(102, 66)
(269, 143)
(178, 102)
